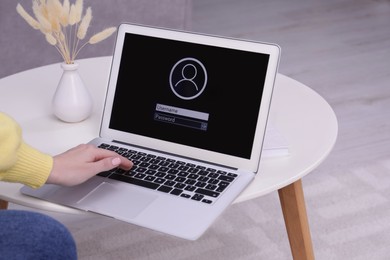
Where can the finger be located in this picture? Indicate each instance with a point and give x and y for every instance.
(99, 153)
(105, 164)
(122, 162)
(109, 163)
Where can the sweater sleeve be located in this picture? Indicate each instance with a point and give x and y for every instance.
(20, 162)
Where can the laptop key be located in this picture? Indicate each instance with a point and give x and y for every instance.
(165, 189)
(150, 178)
(176, 191)
(225, 178)
(159, 180)
(207, 192)
(180, 185)
(221, 188)
(140, 176)
(190, 188)
(200, 184)
(169, 183)
(138, 182)
(211, 187)
(185, 195)
(197, 197)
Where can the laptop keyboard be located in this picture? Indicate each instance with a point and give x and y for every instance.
(175, 177)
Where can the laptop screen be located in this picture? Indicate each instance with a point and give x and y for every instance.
(188, 93)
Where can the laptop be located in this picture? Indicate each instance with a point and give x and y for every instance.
(190, 110)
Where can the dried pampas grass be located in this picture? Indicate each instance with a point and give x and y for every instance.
(84, 24)
(63, 25)
(102, 35)
(28, 18)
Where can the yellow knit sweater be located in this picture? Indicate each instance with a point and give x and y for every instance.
(19, 162)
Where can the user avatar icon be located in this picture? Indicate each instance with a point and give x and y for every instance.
(188, 78)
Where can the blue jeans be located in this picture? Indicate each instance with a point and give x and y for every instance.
(30, 235)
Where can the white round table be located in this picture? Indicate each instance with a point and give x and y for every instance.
(300, 114)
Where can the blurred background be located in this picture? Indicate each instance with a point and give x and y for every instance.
(339, 48)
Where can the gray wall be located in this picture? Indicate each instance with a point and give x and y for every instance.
(22, 47)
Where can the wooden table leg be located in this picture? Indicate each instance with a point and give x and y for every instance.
(295, 217)
(3, 204)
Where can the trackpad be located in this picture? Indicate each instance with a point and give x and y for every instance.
(114, 201)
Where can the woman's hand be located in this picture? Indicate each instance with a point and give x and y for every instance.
(82, 162)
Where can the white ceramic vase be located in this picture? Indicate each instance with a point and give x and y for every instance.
(72, 101)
